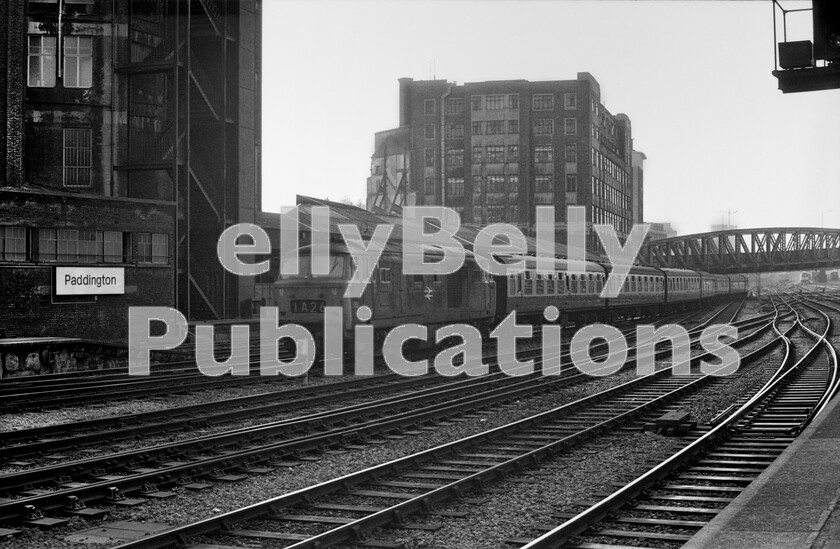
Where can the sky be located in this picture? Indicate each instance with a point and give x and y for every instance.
(694, 78)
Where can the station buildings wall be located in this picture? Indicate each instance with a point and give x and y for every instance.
(131, 139)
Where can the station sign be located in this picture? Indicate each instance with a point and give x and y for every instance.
(89, 280)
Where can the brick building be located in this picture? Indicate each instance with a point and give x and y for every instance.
(494, 151)
(638, 199)
(131, 140)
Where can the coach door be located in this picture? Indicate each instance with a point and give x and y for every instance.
(457, 290)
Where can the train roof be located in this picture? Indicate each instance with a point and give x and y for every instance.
(679, 272)
(560, 264)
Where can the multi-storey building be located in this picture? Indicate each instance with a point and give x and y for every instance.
(494, 151)
(638, 199)
(658, 231)
(130, 132)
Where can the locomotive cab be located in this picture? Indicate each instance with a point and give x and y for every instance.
(303, 297)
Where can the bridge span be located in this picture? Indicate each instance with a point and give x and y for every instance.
(747, 250)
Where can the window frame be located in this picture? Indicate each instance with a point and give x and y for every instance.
(544, 126)
(41, 56)
(79, 57)
(540, 100)
(79, 152)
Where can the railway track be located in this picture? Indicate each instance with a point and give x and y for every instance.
(420, 481)
(93, 479)
(22, 444)
(52, 391)
(666, 506)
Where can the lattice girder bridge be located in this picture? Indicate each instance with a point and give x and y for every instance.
(747, 250)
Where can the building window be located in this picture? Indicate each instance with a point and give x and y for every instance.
(571, 183)
(42, 60)
(429, 106)
(495, 183)
(77, 157)
(513, 153)
(144, 247)
(476, 128)
(68, 244)
(78, 62)
(429, 158)
(513, 184)
(495, 102)
(513, 126)
(495, 127)
(113, 246)
(475, 102)
(454, 131)
(544, 184)
(544, 126)
(46, 245)
(570, 125)
(476, 189)
(543, 102)
(454, 158)
(454, 105)
(429, 184)
(429, 131)
(13, 243)
(455, 186)
(571, 152)
(476, 154)
(570, 101)
(544, 153)
(513, 101)
(495, 154)
(90, 246)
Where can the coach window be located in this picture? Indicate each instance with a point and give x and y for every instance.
(385, 275)
(540, 283)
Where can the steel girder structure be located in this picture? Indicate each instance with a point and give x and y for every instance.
(747, 250)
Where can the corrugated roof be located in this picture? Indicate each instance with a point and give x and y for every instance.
(367, 222)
